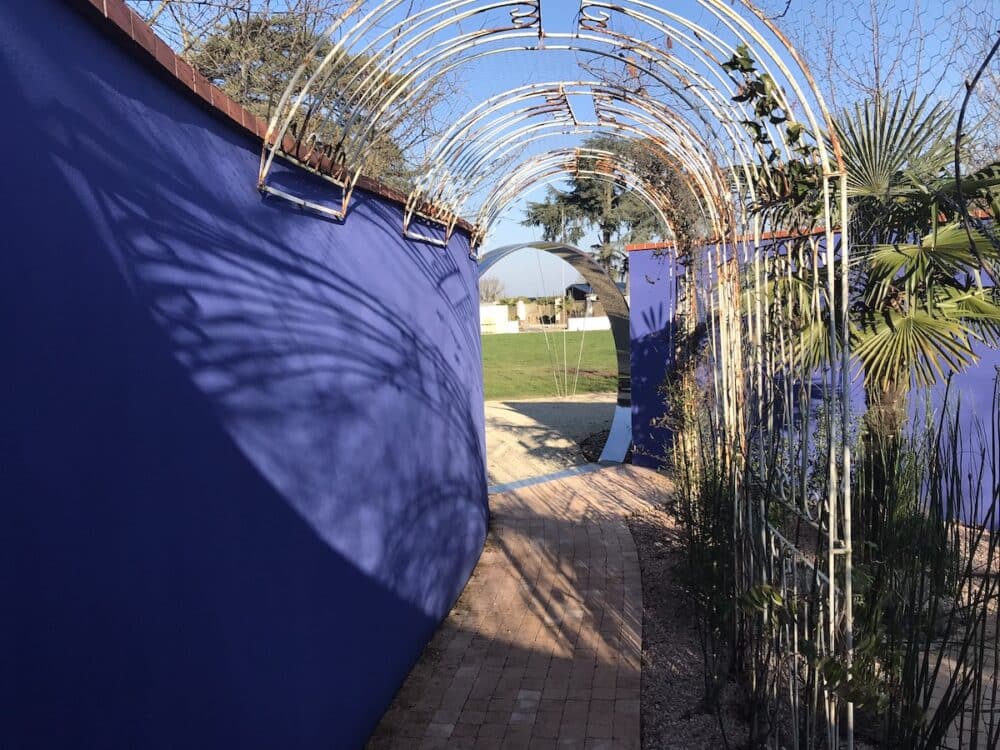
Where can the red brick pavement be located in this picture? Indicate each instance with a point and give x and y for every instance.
(543, 648)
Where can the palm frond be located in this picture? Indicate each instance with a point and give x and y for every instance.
(979, 311)
(946, 251)
(894, 149)
(925, 345)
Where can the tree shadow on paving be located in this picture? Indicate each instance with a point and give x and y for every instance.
(545, 642)
(485, 674)
(570, 419)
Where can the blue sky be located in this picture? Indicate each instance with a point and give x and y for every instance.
(918, 51)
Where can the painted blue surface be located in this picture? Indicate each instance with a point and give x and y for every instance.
(970, 396)
(652, 302)
(242, 455)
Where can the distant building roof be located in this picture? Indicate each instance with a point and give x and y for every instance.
(582, 290)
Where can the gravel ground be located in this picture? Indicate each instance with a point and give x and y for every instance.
(673, 715)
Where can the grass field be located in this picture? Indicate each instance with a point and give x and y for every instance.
(519, 365)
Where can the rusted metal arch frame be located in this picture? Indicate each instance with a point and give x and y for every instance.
(443, 9)
(339, 171)
(691, 172)
(402, 51)
(709, 96)
(410, 62)
(820, 122)
(462, 133)
(521, 20)
(532, 136)
(589, 128)
(734, 137)
(737, 141)
(462, 151)
(709, 207)
(448, 219)
(398, 96)
(745, 164)
(466, 161)
(831, 175)
(701, 47)
(554, 165)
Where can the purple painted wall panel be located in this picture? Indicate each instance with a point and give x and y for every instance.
(242, 449)
(652, 299)
(971, 394)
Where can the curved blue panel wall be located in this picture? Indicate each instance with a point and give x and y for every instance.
(652, 306)
(242, 458)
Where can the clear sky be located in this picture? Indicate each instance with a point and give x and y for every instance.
(923, 45)
(926, 46)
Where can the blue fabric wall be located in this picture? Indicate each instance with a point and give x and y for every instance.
(652, 302)
(241, 446)
(970, 395)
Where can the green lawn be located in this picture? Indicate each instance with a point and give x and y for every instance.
(519, 365)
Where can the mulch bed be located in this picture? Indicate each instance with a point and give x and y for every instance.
(592, 445)
(673, 680)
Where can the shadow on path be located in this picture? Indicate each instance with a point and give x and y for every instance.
(543, 648)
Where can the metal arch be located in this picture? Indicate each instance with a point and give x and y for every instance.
(387, 62)
(525, 21)
(395, 97)
(658, 67)
(536, 170)
(488, 163)
(620, 437)
(476, 145)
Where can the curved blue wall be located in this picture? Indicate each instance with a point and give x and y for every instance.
(652, 307)
(242, 457)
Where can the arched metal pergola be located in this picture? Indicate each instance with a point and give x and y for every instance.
(672, 90)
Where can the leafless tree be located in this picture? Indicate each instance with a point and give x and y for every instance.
(871, 49)
(251, 48)
(490, 289)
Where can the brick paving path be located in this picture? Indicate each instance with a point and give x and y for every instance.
(543, 648)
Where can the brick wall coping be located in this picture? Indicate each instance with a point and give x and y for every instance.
(135, 35)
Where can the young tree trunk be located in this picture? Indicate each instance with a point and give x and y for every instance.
(883, 432)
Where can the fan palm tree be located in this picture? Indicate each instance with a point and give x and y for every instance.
(922, 302)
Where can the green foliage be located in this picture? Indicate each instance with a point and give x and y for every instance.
(789, 189)
(924, 307)
(895, 150)
(924, 615)
(559, 217)
(618, 215)
(916, 307)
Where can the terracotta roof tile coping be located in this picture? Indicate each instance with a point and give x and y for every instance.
(139, 39)
(782, 235)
